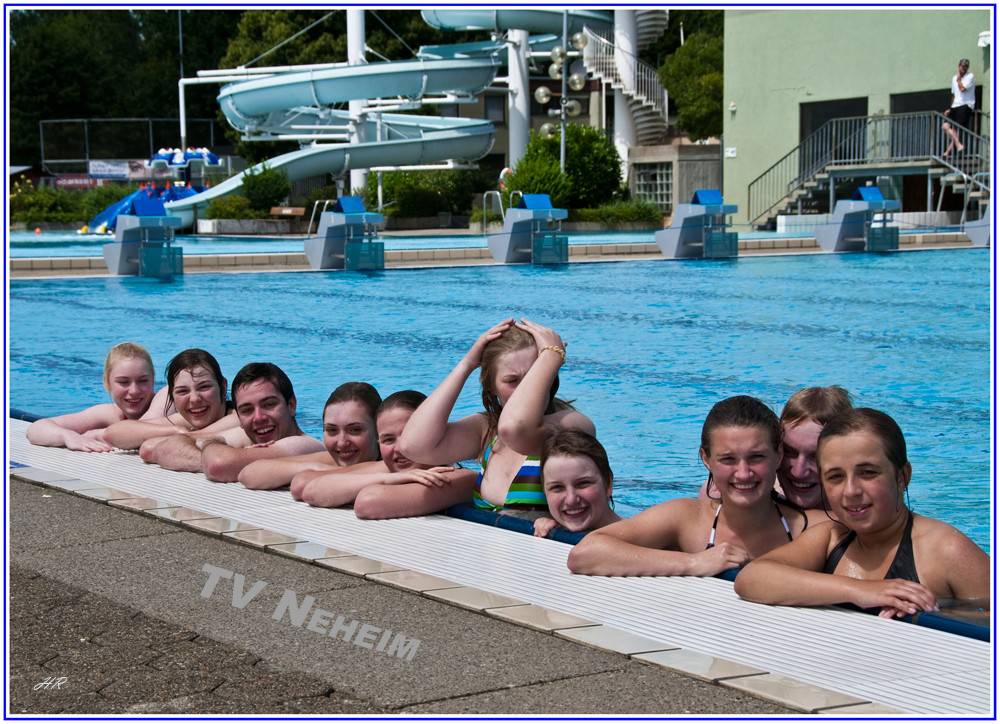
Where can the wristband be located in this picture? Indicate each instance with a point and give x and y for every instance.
(558, 350)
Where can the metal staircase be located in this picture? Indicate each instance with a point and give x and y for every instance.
(638, 81)
(884, 145)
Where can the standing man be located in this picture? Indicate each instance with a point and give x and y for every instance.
(963, 101)
(265, 405)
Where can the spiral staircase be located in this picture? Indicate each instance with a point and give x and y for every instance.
(638, 81)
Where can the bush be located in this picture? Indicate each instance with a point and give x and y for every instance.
(265, 188)
(593, 168)
(538, 174)
(619, 212)
(425, 193)
(233, 207)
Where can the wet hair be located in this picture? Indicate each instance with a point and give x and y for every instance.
(125, 350)
(360, 392)
(402, 400)
(572, 442)
(741, 411)
(263, 371)
(189, 359)
(815, 404)
(874, 422)
(513, 339)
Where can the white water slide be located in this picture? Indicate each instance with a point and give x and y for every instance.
(301, 102)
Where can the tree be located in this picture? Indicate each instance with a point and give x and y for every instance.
(106, 64)
(593, 168)
(693, 79)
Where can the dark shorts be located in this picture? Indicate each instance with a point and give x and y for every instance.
(960, 115)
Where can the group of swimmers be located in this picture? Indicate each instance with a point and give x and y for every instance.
(811, 505)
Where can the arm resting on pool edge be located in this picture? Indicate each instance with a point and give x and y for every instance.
(271, 473)
(377, 502)
(131, 434)
(648, 545)
(223, 463)
(791, 576)
(69, 430)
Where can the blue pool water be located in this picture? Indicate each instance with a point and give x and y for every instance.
(27, 244)
(652, 345)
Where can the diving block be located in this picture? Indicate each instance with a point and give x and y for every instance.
(698, 229)
(346, 238)
(980, 230)
(853, 226)
(142, 242)
(531, 233)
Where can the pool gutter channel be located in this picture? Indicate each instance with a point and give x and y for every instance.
(42, 267)
(790, 692)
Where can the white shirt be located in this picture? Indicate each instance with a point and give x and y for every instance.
(965, 97)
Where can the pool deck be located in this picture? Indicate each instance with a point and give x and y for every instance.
(471, 256)
(397, 574)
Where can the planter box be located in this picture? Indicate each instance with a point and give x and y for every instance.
(241, 227)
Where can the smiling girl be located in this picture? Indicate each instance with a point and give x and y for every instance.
(741, 447)
(393, 487)
(128, 378)
(348, 435)
(197, 391)
(878, 555)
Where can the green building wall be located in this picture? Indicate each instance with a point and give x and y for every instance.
(776, 60)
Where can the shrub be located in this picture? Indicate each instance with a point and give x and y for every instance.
(618, 212)
(265, 188)
(538, 174)
(425, 193)
(233, 207)
(593, 168)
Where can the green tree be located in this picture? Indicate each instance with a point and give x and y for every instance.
(593, 168)
(105, 64)
(693, 79)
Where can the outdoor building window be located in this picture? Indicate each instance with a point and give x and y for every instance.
(655, 181)
(494, 107)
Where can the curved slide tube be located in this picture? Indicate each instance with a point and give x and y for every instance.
(277, 103)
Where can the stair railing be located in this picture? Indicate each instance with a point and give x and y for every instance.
(866, 141)
(624, 71)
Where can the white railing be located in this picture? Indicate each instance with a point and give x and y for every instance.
(625, 71)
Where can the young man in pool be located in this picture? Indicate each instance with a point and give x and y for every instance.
(265, 406)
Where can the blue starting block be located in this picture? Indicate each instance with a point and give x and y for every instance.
(346, 238)
(532, 232)
(854, 226)
(698, 229)
(142, 245)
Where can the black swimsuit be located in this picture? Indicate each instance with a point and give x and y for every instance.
(902, 565)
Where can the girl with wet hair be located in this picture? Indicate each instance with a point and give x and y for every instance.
(393, 487)
(348, 435)
(740, 447)
(196, 390)
(128, 378)
(877, 555)
(519, 364)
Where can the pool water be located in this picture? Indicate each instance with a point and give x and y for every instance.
(27, 244)
(652, 346)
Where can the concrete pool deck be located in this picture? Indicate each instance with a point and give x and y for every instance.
(150, 572)
(471, 256)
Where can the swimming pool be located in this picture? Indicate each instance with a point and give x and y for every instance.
(25, 244)
(652, 345)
